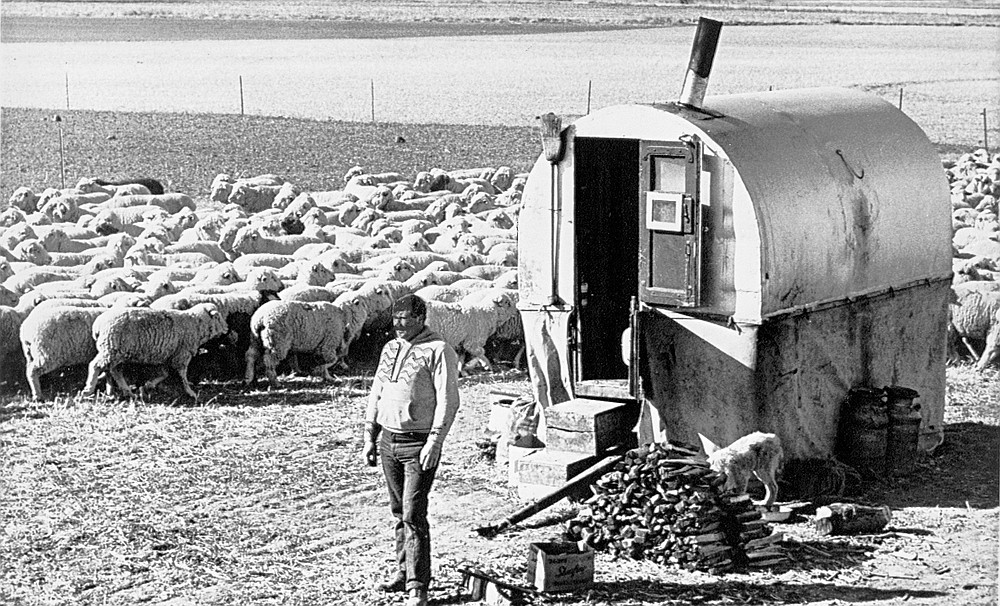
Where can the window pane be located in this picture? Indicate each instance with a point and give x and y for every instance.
(665, 211)
(669, 173)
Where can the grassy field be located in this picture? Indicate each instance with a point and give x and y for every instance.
(189, 150)
(594, 12)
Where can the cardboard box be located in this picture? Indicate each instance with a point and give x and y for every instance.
(555, 567)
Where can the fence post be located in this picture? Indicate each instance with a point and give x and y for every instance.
(590, 88)
(900, 98)
(67, 90)
(62, 164)
(241, 95)
(373, 99)
(986, 144)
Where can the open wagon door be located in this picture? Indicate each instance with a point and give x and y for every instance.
(670, 222)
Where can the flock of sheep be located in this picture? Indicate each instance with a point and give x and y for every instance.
(127, 279)
(975, 309)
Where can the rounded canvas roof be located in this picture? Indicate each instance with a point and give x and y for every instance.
(837, 193)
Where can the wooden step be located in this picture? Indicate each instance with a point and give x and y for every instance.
(588, 426)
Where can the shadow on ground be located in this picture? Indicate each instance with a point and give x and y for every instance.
(737, 592)
(963, 472)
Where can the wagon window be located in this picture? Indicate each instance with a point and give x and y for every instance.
(669, 173)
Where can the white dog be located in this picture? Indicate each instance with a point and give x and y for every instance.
(757, 453)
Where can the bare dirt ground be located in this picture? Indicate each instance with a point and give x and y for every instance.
(260, 498)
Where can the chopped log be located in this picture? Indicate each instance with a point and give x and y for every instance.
(850, 518)
(664, 505)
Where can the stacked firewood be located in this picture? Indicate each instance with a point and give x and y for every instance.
(663, 504)
(755, 545)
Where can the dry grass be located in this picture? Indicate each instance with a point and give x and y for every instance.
(189, 150)
(261, 498)
(247, 498)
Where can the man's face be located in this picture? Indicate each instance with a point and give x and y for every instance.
(406, 325)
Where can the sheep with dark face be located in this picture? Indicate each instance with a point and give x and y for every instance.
(223, 357)
(152, 185)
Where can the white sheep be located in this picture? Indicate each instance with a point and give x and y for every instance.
(328, 292)
(24, 199)
(973, 313)
(222, 184)
(226, 354)
(11, 318)
(984, 248)
(147, 292)
(992, 348)
(90, 185)
(113, 220)
(253, 198)
(283, 327)
(70, 207)
(468, 326)
(31, 251)
(510, 331)
(314, 273)
(211, 249)
(173, 203)
(249, 240)
(12, 216)
(8, 298)
(502, 178)
(256, 278)
(444, 293)
(166, 338)
(287, 193)
(181, 259)
(54, 337)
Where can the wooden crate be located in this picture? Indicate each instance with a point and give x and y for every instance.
(549, 467)
(589, 426)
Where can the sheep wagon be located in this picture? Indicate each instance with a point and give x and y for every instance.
(761, 253)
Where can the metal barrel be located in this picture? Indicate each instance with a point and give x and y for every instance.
(903, 435)
(863, 431)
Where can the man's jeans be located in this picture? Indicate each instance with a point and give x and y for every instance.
(409, 487)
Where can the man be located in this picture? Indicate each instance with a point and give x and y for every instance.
(413, 401)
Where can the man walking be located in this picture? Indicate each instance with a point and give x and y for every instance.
(413, 401)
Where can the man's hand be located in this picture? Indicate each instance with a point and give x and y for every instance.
(369, 453)
(430, 454)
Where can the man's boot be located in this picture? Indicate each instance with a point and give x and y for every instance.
(418, 597)
(398, 583)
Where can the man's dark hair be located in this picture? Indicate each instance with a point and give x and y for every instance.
(411, 303)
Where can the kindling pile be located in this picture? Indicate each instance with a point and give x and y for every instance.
(660, 503)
